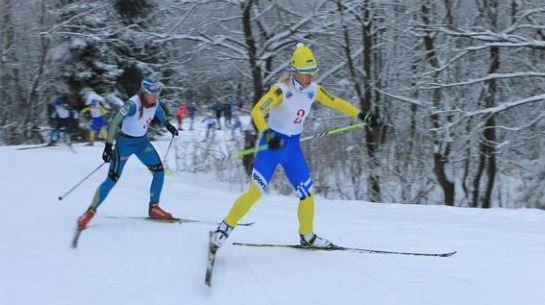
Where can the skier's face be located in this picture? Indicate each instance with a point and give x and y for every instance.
(150, 98)
(304, 79)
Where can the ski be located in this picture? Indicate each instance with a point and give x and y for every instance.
(70, 147)
(34, 146)
(340, 248)
(212, 249)
(175, 220)
(76, 237)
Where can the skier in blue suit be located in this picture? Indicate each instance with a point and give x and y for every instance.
(128, 129)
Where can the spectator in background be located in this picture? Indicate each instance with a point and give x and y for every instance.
(180, 113)
(210, 122)
(192, 110)
(217, 107)
(237, 124)
(227, 113)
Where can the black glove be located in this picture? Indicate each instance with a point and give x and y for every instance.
(273, 140)
(370, 119)
(172, 129)
(108, 152)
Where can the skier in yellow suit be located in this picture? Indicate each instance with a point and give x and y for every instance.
(98, 121)
(288, 104)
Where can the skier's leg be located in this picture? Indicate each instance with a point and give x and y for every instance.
(54, 136)
(240, 207)
(65, 130)
(55, 133)
(298, 174)
(116, 168)
(264, 165)
(66, 136)
(119, 159)
(302, 183)
(148, 155)
(305, 215)
(103, 134)
(261, 175)
(92, 136)
(94, 128)
(242, 204)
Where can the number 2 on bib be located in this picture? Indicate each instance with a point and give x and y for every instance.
(300, 116)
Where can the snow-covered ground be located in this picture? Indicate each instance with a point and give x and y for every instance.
(500, 257)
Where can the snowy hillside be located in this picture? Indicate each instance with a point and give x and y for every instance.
(500, 257)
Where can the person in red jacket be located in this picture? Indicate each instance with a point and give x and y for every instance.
(180, 113)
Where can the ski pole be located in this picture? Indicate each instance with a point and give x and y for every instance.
(248, 151)
(82, 180)
(333, 131)
(165, 161)
(168, 149)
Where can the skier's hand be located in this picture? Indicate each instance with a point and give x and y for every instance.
(108, 152)
(172, 129)
(273, 140)
(370, 119)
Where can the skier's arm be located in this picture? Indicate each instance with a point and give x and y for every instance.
(336, 103)
(103, 109)
(265, 103)
(128, 109)
(160, 114)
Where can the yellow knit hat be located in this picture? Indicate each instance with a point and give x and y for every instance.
(303, 61)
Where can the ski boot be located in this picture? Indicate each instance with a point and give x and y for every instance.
(156, 212)
(84, 219)
(313, 240)
(220, 235)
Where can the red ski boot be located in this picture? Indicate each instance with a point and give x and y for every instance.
(84, 219)
(157, 213)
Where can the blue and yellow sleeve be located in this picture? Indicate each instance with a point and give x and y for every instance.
(271, 99)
